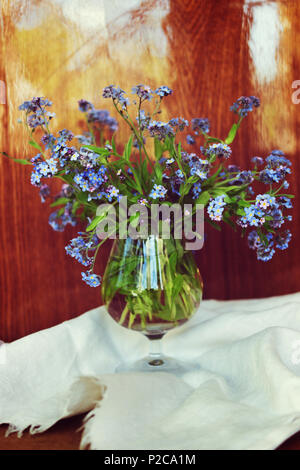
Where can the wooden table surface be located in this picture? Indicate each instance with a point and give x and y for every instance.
(65, 435)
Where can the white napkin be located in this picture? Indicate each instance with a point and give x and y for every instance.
(244, 392)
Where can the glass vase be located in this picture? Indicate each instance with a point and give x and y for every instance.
(151, 286)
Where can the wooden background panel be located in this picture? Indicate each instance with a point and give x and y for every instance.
(210, 52)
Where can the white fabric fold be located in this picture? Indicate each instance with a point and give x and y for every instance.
(243, 391)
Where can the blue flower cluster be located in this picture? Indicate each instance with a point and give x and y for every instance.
(66, 191)
(160, 129)
(44, 192)
(190, 140)
(178, 124)
(85, 139)
(91, 180)
(218, 150)
(199, 168)
(200, 125)
(100, 117)
(254, 216)
(244, 105)
(143, 119)
(42, 169)
(64, 154)
(144, 92)
(180, 176)
(163, 91)
(85, 106)
(216, 208)
(79, 248)
(48, 140)
(268, 208)
(65, 136)
(87, 158)
(36, 113)
(158, 192)
(91, 279)
(277, 168)
(112, 192)
(117, 94)
(197, 188)
(258, 161)
(59, 221)
(265, 247)
(283, 239)
(242, 177)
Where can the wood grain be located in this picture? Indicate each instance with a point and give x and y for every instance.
(206, 50)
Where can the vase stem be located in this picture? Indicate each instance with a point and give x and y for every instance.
(155, 353)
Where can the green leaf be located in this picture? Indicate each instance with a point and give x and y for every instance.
(138, 185)
(35, 145)
(145, 173)
(240, 212)
(179, 248)
(169, 144)
(131, 183)
(60, 211)
(179, 150)
(227, 199)
(231, 135)
(232, 188)
(96, 221)
(127, 149)
(65, 178)
(17, 160)
(99, 150)
(81, 196)
(173, 262)
(134, 219)
(215, 175)
(60, 201)
(177, 285)
(219, 191)
(113, 144)
(192, 179)
(203, 198)
(158, 173)
(76, 206)
(243, 203)
(214, 139)
(158, 148)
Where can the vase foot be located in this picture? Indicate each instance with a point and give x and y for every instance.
(158, 364)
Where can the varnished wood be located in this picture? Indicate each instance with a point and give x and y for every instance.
(65, 435)
(201, 48)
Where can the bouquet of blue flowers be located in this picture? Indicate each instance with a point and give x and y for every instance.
(154, 166)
